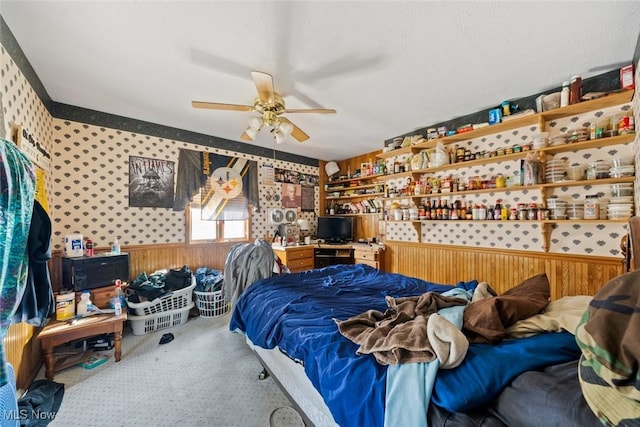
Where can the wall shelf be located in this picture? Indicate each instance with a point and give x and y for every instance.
(541, 120)
(615, 140)
(359, 178)
(611, 100)
(355, 199)
(355, 196)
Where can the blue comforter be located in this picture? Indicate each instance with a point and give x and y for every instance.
(296, 312)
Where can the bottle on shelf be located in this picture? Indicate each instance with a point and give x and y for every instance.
(445, 210)
(592, 207)
(564, 94)
(497, 210)
(455, 210)
(575, 90)
(489, 212)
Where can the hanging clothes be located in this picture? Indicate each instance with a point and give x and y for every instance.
(17, 192)
(37, 303)
(245, 264)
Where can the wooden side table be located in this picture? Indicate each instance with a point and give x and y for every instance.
(60, 332)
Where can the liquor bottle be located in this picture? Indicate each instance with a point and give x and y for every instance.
(469, 212)
(439, 210)
(455, 210)
(445, 211)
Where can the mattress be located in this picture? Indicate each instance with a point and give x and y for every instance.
(292, 378)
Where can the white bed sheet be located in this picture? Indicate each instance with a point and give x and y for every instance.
(292, 377)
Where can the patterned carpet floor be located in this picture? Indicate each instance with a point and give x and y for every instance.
(206, 376)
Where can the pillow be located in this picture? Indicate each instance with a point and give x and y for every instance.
(485, 321)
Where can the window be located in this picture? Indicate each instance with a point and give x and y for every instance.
(231, 225)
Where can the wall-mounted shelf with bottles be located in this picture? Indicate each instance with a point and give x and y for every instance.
(359, 194)
(611, 100)
(584, 145)
(558, 184)
(539, 119)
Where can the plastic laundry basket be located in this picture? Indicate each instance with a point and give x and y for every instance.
(211, 304)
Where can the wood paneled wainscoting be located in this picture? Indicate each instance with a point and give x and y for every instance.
(21, 346)
(150, 258)
(502, 269)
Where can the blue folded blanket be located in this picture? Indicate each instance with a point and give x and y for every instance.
(488, 368)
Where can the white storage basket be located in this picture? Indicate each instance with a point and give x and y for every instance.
(153, 322)
(211, 304)
(167, 302)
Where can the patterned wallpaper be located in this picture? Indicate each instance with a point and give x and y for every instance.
(578, 238)
(87, 188)
(91, 186)
(21, 105)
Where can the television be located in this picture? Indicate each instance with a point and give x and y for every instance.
(335, 229)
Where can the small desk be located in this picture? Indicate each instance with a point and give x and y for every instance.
(60, 332)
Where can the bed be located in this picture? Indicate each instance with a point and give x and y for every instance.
(293, 323)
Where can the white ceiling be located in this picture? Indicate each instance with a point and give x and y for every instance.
(387, 67)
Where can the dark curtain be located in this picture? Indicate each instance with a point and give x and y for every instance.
(192, 176)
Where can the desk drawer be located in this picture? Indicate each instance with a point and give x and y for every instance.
(302, 253)
(360, 255)
(300, 264)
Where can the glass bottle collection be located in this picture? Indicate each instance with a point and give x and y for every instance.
(445, 210)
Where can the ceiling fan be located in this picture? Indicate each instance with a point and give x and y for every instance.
(270, 105)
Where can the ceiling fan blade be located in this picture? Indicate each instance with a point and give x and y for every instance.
(297, 133)
(311, 110)
(245, 137)
(220, 106)
(264, 84)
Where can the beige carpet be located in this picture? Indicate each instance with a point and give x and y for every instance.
(207, 376)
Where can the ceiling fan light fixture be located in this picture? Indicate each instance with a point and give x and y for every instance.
(285, 127)
(269, 105)
(279, 136)
(255, 123)
(252, 133)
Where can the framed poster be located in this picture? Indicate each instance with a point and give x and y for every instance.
(150, 182)
(291, 195)
(308, 199)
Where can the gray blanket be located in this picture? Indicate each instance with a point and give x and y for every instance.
(245, 264)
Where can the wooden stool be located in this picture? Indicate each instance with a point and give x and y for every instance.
(60, 332)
